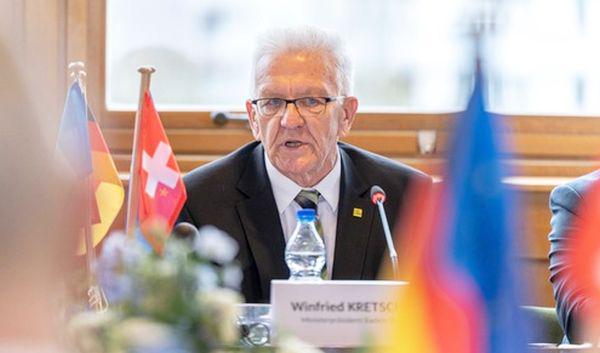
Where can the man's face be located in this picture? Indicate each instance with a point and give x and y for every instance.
(303, 148)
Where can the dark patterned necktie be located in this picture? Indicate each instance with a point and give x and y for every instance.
(310, 199)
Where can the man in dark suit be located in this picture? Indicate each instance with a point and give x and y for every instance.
(566, 203)
(302, 106)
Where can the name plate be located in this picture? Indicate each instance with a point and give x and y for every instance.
(333, 313)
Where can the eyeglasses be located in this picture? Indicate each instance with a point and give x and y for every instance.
(306, 106)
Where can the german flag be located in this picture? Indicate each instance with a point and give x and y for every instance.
(438, 311)
(107, 190)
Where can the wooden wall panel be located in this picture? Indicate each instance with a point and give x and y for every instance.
(534, 257)
(535, 223)
(76, 30)
(535, 274)
(192, 141)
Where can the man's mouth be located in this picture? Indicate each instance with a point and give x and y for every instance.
(293, 143)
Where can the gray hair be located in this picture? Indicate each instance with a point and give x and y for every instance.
(305, 39)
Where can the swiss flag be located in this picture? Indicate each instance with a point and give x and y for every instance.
(162, 192)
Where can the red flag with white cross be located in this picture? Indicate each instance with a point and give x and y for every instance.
(162, 192)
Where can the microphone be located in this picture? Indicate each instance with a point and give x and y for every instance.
(377, 194)
(185, 230)
(378, 198)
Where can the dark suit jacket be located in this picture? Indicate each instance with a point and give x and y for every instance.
(235, 195)
(565, 202)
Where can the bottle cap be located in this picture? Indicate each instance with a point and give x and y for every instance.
(306, 214)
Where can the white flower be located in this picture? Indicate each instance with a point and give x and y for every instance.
(232, 276)
(291, 344)
(221, 305)
(206, 277)
(119, 253)
(165, 269)
(119, 249)
(84, 331)
(144, 335)
(215, 245)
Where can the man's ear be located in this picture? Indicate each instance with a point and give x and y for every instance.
(349, 108)
(252, 119)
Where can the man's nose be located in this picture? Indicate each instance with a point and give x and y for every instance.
(291, 118)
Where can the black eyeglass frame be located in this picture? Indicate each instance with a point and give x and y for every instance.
(293, 101)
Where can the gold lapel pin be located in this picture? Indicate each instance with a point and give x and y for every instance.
(357, 212)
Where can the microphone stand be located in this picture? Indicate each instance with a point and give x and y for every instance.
(388, 239)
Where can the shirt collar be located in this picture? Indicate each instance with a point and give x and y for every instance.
(285, 189)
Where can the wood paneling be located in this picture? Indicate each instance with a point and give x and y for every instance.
(556, 145)
(95, 49)
(535, 274)
(553, 167)
(197, 141)
(431, 165)
(555, 154)
(535, 226)
(188, 162)
(560, 125)
(77, 30)
(195, 120)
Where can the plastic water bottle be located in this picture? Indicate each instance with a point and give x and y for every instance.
(305, 251)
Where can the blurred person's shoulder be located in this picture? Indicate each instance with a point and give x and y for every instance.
(580, 184)
(572, 194)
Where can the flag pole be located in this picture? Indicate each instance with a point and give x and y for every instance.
(132, 194)
(78, 74)
(96, 297)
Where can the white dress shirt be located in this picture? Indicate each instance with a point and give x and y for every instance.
(285, 190)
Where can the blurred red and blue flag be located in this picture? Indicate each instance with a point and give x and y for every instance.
(459, 250)
(482, 237)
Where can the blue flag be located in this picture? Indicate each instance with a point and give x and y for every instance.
(481, 231)
(73, 143)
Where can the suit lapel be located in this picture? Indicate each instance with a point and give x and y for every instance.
(260, 220)
(353, 231)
